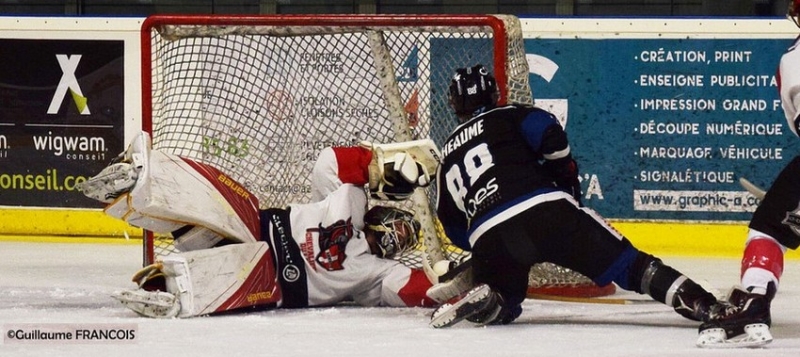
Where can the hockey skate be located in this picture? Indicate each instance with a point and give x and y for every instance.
(110, 183)
(121, 175)
(743, 323)
(478, 305)
(694, 303)
(156, 304)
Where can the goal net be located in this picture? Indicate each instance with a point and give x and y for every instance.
(259, 96)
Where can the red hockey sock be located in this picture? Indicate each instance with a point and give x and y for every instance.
(764, 253)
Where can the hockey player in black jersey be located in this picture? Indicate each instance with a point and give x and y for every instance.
(508, 192)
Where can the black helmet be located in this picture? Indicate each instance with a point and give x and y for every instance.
(382, 219)
(472, 91)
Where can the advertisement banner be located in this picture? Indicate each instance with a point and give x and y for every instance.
(664, 128)
(61, 120)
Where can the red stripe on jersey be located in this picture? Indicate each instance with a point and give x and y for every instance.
(414, 292)
(353, 163)
(763, 253)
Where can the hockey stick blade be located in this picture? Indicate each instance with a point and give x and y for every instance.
(590, 300)
(752, 188)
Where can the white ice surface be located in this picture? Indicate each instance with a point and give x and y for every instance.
(42, 283)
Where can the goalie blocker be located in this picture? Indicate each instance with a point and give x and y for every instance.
(165, 193)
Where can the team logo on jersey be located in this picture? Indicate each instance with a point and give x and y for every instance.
(291, 273)
(792, 220)
(332, 242)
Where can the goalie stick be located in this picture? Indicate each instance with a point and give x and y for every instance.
(433, 251)
(592, 300)
(754, 190)
(455, 270)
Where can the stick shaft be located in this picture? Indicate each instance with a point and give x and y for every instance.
(754, 190)
(589, 300)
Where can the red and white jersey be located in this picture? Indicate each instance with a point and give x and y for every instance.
(789, 85)
(329, 232)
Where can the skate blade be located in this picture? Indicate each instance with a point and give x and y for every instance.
(756, 335)
(450, 314)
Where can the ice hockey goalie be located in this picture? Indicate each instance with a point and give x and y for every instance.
(236, 256)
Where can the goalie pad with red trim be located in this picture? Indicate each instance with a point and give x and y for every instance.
(166, 193)
(205, 282)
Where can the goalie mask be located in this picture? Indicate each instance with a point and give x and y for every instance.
(472, 91)
(794, 12)
(395, 230)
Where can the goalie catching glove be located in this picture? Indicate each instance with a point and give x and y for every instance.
(397, 169)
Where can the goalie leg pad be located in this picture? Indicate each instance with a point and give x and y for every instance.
(226, 278)
(207, 281)
(452, 286)
(172, 192)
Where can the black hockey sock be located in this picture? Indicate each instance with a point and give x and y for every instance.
(669, 286)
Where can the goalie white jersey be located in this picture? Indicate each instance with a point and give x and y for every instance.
(327, 243)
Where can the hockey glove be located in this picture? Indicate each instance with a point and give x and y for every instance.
(397, 169)
(565, 175)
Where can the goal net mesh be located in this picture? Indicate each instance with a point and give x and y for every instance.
(259, 97)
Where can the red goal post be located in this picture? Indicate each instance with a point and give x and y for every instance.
(259, 96)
